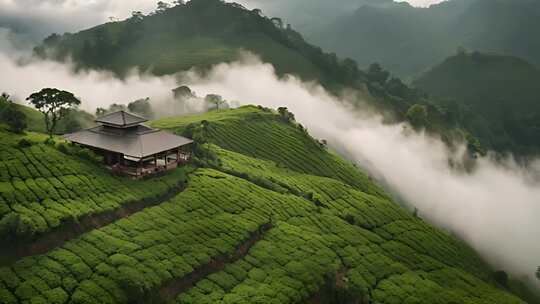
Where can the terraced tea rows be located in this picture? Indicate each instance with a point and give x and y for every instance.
(369, 212)
(133, 257)
(42, 188)
(296, 258)
(278, 229)
(262, 134)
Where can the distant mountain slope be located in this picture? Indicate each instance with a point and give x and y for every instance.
(198, 34)
(501, 93)
(384, 34)
(247, 230)
(202, 33)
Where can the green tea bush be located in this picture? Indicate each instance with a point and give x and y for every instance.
(264, 135)
(138, 254)
(24, 143)
(44, 188)
(332, 231)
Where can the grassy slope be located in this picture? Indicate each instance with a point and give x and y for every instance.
(320, 226)
(34, 119)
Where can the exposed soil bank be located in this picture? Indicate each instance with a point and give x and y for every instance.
(14, 250)
(171, 289)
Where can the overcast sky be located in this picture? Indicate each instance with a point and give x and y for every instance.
(423, 3)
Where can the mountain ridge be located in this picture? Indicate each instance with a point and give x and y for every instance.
(500, 93)
(428, 35)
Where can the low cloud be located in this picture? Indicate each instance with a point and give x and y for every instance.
(22, 75)
(496, 208)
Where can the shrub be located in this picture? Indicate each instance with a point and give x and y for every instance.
(24, 143)
(501, 277)
(49, 141)
(14, 118)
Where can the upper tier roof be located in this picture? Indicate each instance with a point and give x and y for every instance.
(121, 119)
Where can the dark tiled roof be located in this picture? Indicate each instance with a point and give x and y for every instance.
(121, 119)
(139, 141)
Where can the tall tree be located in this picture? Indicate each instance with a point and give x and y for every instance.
(162, 6)
(377, 74)
(215, 100)
(54, 104)
(141, 107)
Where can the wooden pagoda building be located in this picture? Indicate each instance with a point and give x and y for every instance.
(132, 148)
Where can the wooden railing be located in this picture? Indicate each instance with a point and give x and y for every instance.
(139, 172)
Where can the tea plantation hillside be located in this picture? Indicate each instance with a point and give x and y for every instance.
(272, 218)
(287, 144)
(43, 189)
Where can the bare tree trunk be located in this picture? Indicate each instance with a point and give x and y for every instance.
(47, 123)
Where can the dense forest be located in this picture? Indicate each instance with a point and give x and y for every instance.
(500, 96)
(383, 31)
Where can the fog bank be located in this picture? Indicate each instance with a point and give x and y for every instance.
(21, 77)
(496, 208)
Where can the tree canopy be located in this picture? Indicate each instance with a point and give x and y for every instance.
(54, 104)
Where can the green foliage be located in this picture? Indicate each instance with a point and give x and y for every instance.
(263, 134)
(24, 143)
(286, 115)
(53, 103)
(501, 277)
(16, 120)
(417, 115)
(408, 40)
(76, 150)
(319, 229)
(40, 188)
(183, 92)
(141, 107)
(215, 100)
(495, 97)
